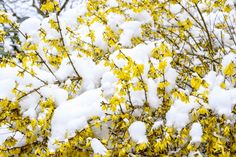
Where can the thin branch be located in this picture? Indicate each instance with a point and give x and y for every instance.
(30, 92)
(27, 72)
(206, 29)
(63, 43)
(63, 6)
(37, 53)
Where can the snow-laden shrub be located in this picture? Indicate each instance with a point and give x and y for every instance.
(121, 78)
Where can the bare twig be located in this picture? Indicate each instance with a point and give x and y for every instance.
(63, 6)
(63, 43)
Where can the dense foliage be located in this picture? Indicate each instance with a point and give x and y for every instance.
(119, 78)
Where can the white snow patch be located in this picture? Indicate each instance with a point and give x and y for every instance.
(178, 115)
(108, 83)
(221, 100)
(5, 133)
(175, 8)
(171, 75)
(137, 131)
(157, 124)
(130, 29)
(196, 132)
(28, 105)
(112, 3)
(30, 27)
(99, 29)
(59, 95)
(114, 21)
(152, 96)
(98, 147)
(87, 69)
(72, 115)
(73, 14)
(137, 97)
(6, 87)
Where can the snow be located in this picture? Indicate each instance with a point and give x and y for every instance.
(98, 147)
(227, 59)
(99, 83)
(210, 79)
(30, 26)
(98, 32)
(59, 95)
(140, 54)
(176, 8)
(5, 133)
(65, 70)
(28, 105)
(24, 8)
(157, 124)
(178, 115)
(112, 3)
(221, 100)
(9, 78)
(137, 132)
(143, 17)
(152, 95)
(171, 75)
(21, 8)
(73, 114)
(130, 29)
(87, 69)
(108, 84)
(6, 88)
(50, 32)
(114, 21)
(137, 97)
(195, 153)
(73, 13)
(196, 132)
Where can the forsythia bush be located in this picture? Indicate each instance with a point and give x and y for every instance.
(121, 78)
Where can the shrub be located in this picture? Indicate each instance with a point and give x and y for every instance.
(121, 78)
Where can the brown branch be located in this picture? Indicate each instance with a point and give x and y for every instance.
(27, 72)
(63, 43)
(206, 29)
(63, 6)
(30, 92)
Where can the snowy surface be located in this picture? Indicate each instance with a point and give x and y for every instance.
(137, 131)
(98, 147)
(5, 133)
(222, 101)
(73, 115)
(153, 98)
(157, 124)
(178, 115)
(196, 132)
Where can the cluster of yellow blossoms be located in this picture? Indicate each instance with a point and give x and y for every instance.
(179, 43)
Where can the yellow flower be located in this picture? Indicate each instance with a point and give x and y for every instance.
(2, 35)
(4, 18)
(162, 65)
(196, 82)
(50, 6)
(227, 8)
(229, 70)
